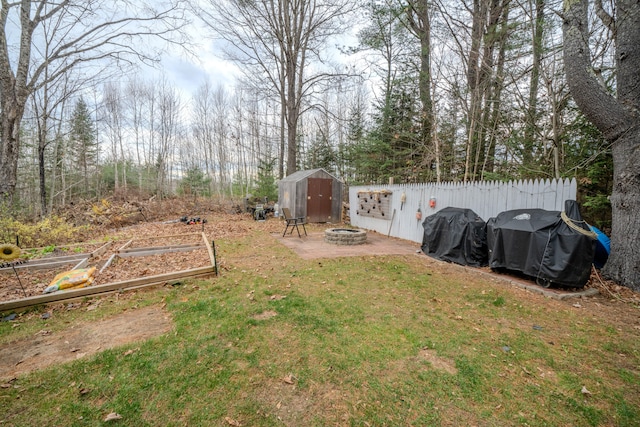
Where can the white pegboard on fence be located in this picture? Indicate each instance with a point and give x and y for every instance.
(485, 198)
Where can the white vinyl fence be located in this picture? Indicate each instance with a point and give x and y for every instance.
(381, 207)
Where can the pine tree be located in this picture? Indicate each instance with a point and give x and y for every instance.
(265, 185)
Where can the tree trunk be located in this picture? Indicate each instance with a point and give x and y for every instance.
(42, 143)
(618, 120)
(10, 147)
(532, 103)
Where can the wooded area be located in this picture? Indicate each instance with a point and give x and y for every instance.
(414, 90)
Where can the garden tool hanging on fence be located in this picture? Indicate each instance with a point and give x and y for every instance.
(403, 199)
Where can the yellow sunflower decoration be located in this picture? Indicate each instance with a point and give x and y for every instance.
(9, 252)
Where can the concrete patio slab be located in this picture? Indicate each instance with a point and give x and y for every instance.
(313, 246)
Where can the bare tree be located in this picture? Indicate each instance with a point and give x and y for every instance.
(85, 32)
(616, 115)
(113, 119)
(279, 43)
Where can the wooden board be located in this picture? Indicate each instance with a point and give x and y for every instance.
(106, 288)
(157, 251)
(210, 250)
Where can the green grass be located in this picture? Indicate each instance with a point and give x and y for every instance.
(351, 334)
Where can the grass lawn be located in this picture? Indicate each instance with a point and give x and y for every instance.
(357, 341)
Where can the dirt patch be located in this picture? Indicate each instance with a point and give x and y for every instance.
(265, 315)
(292, 406)
(47, 348)
(437, 362)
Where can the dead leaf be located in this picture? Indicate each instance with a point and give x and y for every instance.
(289, 379)
(112, 417)
(84, 391)
(585, 391)
(128, 352)
(232, 422)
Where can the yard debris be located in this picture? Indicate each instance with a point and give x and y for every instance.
(289, 379)
(585, 391)
(232, 422)
(194, 220)
(10, 318)
(113, 416)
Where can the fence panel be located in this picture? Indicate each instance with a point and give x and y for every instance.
(486, 198)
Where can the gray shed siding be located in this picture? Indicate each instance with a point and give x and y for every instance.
(293, 193)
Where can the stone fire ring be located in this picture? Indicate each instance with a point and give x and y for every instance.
(345, 236)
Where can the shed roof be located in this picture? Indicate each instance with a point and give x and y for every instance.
(299, 175)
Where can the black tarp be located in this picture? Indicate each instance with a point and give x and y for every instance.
(540, 244)
(456, 235)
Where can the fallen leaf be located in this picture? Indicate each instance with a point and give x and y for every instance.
(112, 417)
(84, 391)
(289, 379)
(232, 422)
(585, 391)
(128, 352)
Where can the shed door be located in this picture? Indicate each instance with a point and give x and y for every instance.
(319, 199)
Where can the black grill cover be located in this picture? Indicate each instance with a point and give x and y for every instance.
(456, 235)
(538, 243)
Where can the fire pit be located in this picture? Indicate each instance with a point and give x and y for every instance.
(345, 236)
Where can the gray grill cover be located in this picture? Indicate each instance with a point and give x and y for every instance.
(538, 243)
(455, 235)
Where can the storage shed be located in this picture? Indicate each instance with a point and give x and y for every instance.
(314, 194)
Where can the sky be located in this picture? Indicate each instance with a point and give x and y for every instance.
(188, 72)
